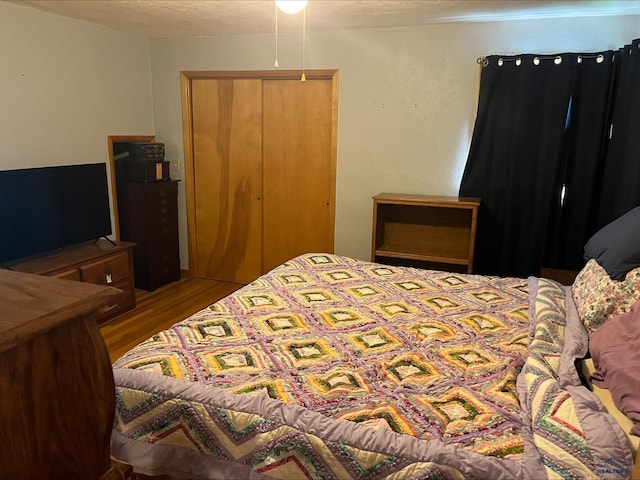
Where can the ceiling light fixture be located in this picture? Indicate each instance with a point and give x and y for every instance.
(291, 6)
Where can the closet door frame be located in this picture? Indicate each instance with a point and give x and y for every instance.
(187, 126)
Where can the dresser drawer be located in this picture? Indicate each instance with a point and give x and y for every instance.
(127, 299)
(73, 274)
(107, 271)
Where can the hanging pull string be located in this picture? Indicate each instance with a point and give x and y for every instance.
(557, 59)
(275, 64)
(303, 77)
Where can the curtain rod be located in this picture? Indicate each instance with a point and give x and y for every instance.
(515, 58)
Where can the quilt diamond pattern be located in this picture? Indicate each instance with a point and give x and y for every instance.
(401, 331)
(332, 368)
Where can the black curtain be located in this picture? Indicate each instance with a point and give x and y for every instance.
(528, 162)
(573, 215)
(621, 177)
(514, 152)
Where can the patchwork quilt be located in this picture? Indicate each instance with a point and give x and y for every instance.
(329, 367)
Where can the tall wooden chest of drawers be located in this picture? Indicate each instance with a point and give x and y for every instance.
(149, 217)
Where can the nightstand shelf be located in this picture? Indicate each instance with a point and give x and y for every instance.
(424, 231)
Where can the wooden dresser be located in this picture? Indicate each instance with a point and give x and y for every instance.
(149, 217)
(57, 400)
(100, 263)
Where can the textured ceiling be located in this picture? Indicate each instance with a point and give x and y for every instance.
(194, 18)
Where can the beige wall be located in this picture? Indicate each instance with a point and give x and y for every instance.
(407, 97)
(66, 85)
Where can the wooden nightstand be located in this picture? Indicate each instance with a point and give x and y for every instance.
(424, 231)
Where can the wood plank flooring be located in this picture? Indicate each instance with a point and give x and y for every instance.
(158, 310)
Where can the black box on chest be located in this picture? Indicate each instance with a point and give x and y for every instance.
(145, 171)
(148, 152)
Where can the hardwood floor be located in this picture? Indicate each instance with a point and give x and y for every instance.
(158, 310)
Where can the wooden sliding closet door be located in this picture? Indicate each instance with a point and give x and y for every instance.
(227, 171)
(260, 166)
(297, 169)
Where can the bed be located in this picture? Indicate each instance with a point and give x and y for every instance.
(331, 367)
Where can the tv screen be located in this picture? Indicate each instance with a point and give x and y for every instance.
(48, 208)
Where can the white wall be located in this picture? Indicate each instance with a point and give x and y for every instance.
(406, 108)
(407, 97)
(65, 85)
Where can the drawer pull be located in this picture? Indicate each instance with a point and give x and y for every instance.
(107, 277)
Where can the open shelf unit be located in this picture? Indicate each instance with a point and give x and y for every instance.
(424, 231)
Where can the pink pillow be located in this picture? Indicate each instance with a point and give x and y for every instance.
(615, 348)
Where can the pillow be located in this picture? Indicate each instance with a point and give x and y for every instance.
(598, 298)
(616, 246)
(615, 348)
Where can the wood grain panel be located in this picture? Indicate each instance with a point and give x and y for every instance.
(227, 149)
(57, 403)
(297, 169)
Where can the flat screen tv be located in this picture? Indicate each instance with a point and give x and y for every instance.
(48, 208)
